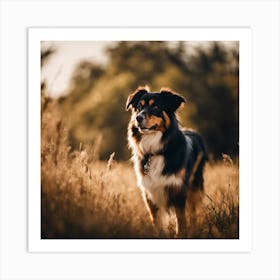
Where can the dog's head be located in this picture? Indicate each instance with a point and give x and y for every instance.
(152, 111)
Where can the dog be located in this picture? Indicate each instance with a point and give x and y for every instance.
(168, 160)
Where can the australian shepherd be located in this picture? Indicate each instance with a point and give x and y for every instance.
(168, 160)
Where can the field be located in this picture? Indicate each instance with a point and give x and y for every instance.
(83, 197)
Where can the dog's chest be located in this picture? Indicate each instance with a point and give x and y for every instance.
(151, 143)
(153, 167)
(153, 181)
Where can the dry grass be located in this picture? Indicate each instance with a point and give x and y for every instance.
(86, 198)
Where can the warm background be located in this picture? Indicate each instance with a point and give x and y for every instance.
(88, 184)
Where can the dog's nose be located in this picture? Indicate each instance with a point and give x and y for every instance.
(140, 118)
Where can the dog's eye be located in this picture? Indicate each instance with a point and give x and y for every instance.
(156, 108)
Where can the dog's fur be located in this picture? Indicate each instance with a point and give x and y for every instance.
(168, 161)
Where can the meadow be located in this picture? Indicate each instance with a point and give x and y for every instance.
(84, 197)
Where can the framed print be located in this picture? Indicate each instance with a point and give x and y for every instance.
(84, 196)
(73, 204)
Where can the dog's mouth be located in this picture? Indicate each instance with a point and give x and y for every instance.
(144, 129)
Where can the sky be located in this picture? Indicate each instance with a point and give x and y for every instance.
(59, 68)
(57, 71)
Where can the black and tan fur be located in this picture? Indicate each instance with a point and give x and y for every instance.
(168, 161)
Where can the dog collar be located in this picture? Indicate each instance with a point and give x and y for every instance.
(147, 164)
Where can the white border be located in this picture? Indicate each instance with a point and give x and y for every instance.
(262, 16)
(243, 35)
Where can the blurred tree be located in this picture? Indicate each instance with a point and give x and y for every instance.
(208, 78)
(83, 79)
(46, 53)
(214, 89)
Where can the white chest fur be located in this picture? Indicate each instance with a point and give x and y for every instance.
(154, 182)
(151, 143)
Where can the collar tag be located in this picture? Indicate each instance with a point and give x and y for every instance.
(147, 165)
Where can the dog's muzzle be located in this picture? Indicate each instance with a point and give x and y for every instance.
(141, 123)
(140, 118)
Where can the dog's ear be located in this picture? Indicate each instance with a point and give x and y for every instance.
(134, 98)
(171, 99)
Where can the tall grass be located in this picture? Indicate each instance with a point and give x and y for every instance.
(83, 197)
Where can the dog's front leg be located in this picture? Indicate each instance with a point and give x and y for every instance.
(160, 217)
(151, 207)
(155, 215)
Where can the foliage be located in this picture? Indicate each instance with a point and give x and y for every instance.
(208, 78)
